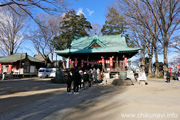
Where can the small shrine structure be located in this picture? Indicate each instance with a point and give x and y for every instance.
(108, 52)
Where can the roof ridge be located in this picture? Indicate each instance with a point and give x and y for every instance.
(19, 53)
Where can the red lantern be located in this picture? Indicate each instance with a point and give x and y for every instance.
(103, 62)
(82, 63)
(111, 61)
(76, 62)
(0, 67)
(125, 61)
(178, 67)
(69, 62)
(10, 67)
(87, 62)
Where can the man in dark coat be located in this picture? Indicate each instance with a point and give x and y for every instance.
(168, 76)
(69, 81)
(77, 79)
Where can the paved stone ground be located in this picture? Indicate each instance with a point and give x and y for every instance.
(157, 100)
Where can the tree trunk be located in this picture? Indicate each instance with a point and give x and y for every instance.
(165, 60)
(64, 62)
(45, 62)
(150, 53)
(150, 66)
(156, 62)
(150, 61)
(11, 52)
(143, 59)
(52, 54)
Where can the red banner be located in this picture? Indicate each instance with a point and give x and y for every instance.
(103, 62)
(87, 62)
(111, 61)
(10, 67)
(178, 67)
(0, 67)
(170, 71)
(69, 63)
(82, 63)
(76, 62)
(125, 61)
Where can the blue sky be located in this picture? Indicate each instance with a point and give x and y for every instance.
(94, 11)
(97, 8)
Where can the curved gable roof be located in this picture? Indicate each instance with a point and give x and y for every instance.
(16, 57)
(108, 43)
(107, 40)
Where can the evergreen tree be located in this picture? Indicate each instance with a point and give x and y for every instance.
(114, 24)
(71, 26)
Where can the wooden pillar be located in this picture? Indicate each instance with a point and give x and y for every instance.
(117, 61)
(103, 62)
(124, 65)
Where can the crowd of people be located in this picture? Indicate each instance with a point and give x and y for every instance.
(78, 78)
(176, 76)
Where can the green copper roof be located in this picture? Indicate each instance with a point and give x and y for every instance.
(16, 57)
(108, 43)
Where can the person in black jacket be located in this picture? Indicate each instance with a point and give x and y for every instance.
(77, 79)
(69, 81)
(168, 76)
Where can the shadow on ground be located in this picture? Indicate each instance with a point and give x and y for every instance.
(59, 106)
(10, 89)
(97, 103)
(27, 84)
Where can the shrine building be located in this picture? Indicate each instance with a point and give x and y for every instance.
(108, 52)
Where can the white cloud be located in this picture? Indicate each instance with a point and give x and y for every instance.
(172, 57)
(89, 11)
(63, 14)
(80, 11)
